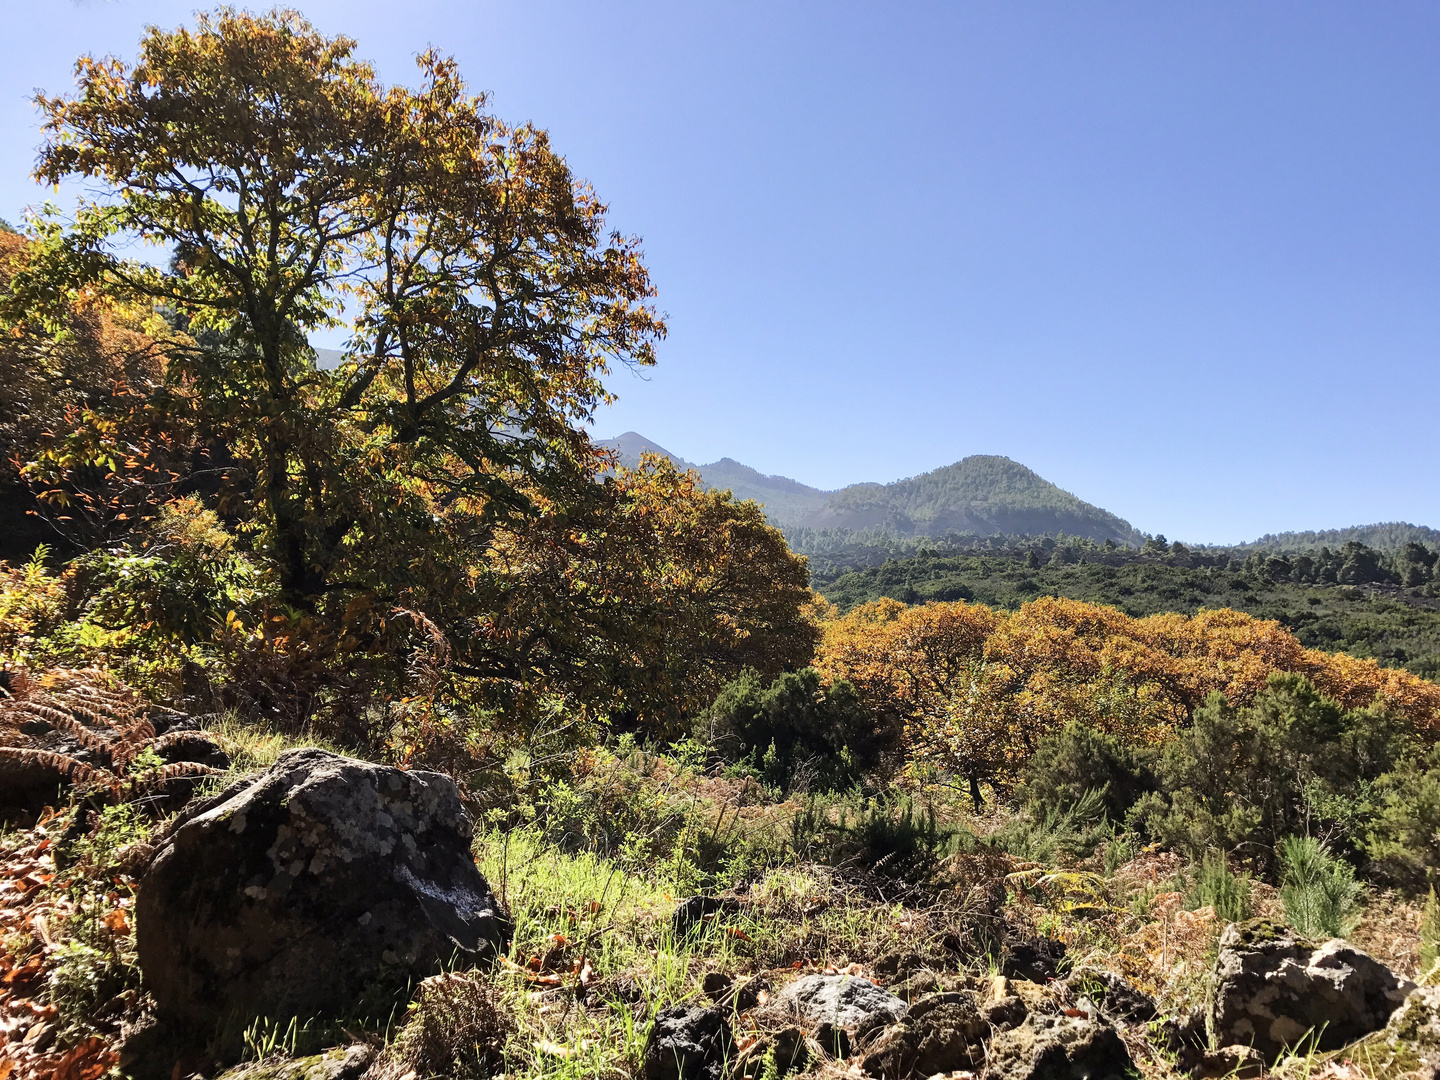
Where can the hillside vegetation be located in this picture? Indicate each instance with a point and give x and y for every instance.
(1387, 607)
(981, 494)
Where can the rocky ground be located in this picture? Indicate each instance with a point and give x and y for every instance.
(293, 924)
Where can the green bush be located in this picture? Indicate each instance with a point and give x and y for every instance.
(1215, 885)
(1240, 779)
(1062, 833)
(1080, 759)
(1430, 933)
(1319, 891)
(1404, 838)
(798, 733)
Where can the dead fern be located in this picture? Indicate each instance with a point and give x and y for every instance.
(105, 717)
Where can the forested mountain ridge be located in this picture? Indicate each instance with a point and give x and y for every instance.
(982, 494)
(785, 500)
(1386, 536)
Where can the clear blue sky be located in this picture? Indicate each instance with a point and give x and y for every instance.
(1180, 258)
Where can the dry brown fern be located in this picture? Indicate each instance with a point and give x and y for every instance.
(100, 713)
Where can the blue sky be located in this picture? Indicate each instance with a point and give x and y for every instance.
(1179, 258)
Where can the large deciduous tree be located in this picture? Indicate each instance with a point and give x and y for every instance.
(289, 192)
(429, 510)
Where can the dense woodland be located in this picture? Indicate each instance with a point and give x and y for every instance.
(416, 557)
(1352, 599)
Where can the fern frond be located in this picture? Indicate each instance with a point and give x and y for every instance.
(67, 766)
(135, 739)
(85, 736)
(99, 718)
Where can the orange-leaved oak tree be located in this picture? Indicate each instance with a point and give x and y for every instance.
(977, 689)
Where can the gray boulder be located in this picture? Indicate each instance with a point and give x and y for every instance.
(1058, 1047)
(942, 1033)
(687, 1043)
(301, 888)
(840, 1002)
(1274, 990)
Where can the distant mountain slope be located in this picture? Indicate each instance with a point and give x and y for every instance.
(981, 494)
(1384, 536)
(632, 444)
(785, 500)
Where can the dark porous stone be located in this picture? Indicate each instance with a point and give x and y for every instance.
(1117, 1000)
(788, 1049)
(698, 912)
(1006, 1012)
(301, 888)
(943, 1033)
(687, 1043)
(1036, 959)
(1060, 1048)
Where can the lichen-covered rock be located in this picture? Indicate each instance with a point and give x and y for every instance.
(1060, 1048)
(942, 1033)
(841, 1002)
(296, 890)
(1408, 1046)
(342, 1063)
(1274, 990)
(687, 1043)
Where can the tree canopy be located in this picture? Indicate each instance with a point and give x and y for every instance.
(289, 192)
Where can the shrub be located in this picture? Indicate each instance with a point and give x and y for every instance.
(458, 1027)
(1319, 891)
(1404, 838)
(32, 602)
(1241, 779)
(1215, 885)
(1070, 832)
(895, 837)
(800, 733)
(1079, 759)
(1430, 933)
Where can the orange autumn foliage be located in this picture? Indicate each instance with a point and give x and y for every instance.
(977, 688)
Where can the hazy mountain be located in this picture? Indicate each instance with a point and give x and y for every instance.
(785, 500)
(981, 494)
(631, 445)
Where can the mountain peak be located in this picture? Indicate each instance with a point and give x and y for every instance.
(982, 493)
